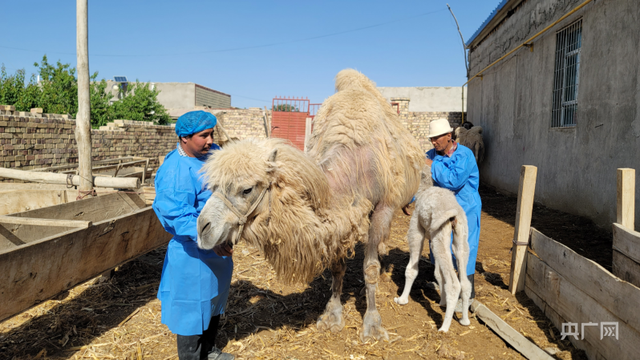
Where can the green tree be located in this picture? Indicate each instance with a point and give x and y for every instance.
(59, 88)
(57, 93)
(285, 107)
(101, 110)
(140, 103)
(11, 86)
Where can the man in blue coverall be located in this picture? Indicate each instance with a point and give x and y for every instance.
(453, 167)
(194, 286)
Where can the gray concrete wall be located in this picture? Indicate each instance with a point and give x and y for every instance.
(512, 102)
(175, 95)
(429, 99)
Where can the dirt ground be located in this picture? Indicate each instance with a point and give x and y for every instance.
(120, 318)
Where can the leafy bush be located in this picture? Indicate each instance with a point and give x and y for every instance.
(57, 93)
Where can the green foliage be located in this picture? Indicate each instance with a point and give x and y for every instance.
(140, 103)
(59, 88)
(285, 107)
(101, 111)
(57, 93)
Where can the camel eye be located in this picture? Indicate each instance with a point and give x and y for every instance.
(247, 191)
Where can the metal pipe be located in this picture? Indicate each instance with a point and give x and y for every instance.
(526, 43)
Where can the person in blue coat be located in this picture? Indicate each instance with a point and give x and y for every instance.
(194, 286)
(453, 167)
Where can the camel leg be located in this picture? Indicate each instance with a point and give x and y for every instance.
(379, 229)
(415, 237)
(332, 318)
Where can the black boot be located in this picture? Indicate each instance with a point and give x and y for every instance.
(473, 287)
(200, 347)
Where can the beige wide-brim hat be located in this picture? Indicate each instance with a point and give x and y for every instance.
(439, 127)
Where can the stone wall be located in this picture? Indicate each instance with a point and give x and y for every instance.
(244, 123)
(418, 122)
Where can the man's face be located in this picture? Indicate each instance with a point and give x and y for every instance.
(198, 144)
(441, 142)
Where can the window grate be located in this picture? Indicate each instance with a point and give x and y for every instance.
(566, 76)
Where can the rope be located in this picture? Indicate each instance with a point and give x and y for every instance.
(82, 194)
(242, 219)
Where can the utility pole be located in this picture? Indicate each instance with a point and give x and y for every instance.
(83, 118)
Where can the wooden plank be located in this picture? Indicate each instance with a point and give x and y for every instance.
(626, 254)
(524, 211)
(625, 268)
(574, 306)
(557, 320)
(13, 201)
(626, 241)
(508, 334)
(52, 178)
(37, 271)
(44, 222)
(615, 295)
(626, 197)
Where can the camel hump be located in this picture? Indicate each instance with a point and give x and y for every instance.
(476, 129)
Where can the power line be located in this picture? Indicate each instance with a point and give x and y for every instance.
(244, 47)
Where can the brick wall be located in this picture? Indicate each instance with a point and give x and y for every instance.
(32, 140)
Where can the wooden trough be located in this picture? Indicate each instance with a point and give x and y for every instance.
(46, 251)
(593, 308)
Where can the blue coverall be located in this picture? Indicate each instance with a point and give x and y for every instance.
(459, 173)
(195, 282)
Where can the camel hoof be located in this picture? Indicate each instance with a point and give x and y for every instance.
(372, 328)
(443, 329)
(331, 320)
(400, 301)
(465, 322)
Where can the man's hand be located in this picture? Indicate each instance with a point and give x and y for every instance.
(223, 250)
(428, 161)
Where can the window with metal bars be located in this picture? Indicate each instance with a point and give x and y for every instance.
(566, 76)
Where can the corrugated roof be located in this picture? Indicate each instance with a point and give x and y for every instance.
(486, 22)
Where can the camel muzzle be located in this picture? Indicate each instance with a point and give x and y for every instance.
(242, 219)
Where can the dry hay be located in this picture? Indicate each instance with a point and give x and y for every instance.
(120, 318)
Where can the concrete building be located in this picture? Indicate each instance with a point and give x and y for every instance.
(429, 99)
(567, 101)
(179, 98)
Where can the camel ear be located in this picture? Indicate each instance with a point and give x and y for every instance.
(271, 162)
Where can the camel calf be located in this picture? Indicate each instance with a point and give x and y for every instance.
(436, 216)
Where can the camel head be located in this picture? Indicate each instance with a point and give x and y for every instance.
(276, 198)
(239, 177)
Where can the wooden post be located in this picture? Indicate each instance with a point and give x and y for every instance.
(83, 118)
(524, 210)
(626, 195)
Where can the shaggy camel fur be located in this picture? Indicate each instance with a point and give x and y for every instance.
(436, 216)
(471, 138)
(307, 211)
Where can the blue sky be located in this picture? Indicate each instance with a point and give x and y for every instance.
(253, 50)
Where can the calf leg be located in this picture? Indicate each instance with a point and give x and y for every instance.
(378, 231)
(461, 251)
(332, 318)
(415, 237)
(450, 286)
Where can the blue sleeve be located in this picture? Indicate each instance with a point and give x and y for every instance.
(175, 201)
(452, 173)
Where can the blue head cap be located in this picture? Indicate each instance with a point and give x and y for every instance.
(194, 122)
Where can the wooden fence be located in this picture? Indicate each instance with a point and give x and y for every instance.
(593, 308)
